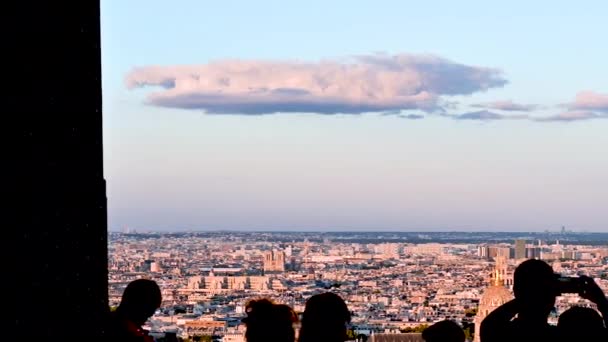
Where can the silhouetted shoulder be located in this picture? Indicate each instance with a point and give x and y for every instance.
(444, 331)
(120, 329)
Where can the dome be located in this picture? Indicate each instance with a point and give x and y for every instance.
(493, 297)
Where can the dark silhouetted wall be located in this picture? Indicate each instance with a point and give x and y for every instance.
(55, 236)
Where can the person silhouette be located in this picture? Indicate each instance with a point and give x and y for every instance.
(581, 324)
(444, 331)
(592, 292)
(586, 324)
(535, 288)
(139, 301)
(269, 322)
(325, 319)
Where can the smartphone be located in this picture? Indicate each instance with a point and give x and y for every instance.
(569, 285)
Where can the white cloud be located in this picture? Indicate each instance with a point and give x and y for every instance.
(373, 83)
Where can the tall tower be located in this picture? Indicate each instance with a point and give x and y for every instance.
(520, 249)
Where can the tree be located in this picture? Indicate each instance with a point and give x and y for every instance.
(417, 329)
(350, 334)
(468, 333)
(202, 338)
(421, 328)
(470, 312)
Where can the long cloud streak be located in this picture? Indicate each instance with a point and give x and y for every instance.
(360, 84)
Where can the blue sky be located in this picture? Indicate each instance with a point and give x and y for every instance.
(466, 163)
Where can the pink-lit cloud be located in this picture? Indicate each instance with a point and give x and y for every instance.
(587, 105)
(590, 101)
(373, 83)
(507, 105)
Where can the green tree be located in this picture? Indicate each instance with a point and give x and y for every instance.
(468, 334)
(470, 312)
(417, 329)
(202, 338)
(421, 328)
(350, 334)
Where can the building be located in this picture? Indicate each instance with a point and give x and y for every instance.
(234, 337)
(388, 250)
(549, 256)
(218, 284)
(406, 337)
(483, 252)
(520, 249)
(259, 283)
(155, 267)
(494, 296)
(533, 252)
(503, 252)
(425, 249)
(493, 252)
(274, 261)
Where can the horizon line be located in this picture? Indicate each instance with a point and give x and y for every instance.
(139, 230)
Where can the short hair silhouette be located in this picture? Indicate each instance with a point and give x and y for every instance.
(525, 317)
(140, 300)
(535, 288)
(580, 323)
(444, 331)
(269, 322)
(324, 319)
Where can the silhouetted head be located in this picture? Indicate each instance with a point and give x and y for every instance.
(535, 288)
(581, 324)
(325, 319)
(140, 300)
(269, 322)
(444, 331)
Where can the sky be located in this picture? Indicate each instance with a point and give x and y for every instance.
(355, 115)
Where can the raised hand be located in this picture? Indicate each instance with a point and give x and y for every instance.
(592, 292)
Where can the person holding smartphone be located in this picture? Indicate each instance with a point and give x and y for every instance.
(581, 323)
(525, 318)
(592, 292)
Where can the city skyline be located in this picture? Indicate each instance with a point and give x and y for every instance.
(339, 230)
(431, 116)
(392, 286)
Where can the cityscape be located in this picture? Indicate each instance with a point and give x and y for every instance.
(406, 159)
(313, 171)
(394, 283)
